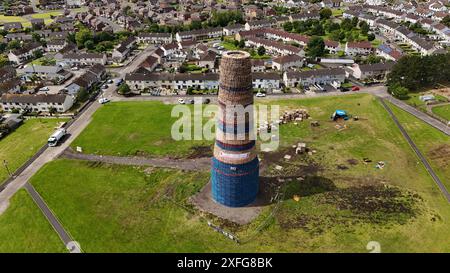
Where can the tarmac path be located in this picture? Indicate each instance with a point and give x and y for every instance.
(417, 151)
(192, 164)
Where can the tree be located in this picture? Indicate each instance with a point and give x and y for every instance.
(261, 51)
(288, 26)
(370, 37)
(364, 27)
(346, 24)
(316, 47)
(325, 13)
(82, 95)
(37, 54)
(3, 60)
(89, 44)
(36, 37)
(241, 43)
(416, 72)
(446, 20)
(124, 89)
(399, 92)
(52, 111)
(82, 36)
(355, 21)
(317, 30)
(14, 44)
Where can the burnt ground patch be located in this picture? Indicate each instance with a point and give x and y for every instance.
(440, 155)
(377, 205)
(200, 151)
(310, 185)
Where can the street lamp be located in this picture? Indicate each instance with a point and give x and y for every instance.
(5, 163)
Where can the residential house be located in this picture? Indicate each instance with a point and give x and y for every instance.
(154, 38)
(286, 62)
(274, 47)
(258, 65)
(13, 26)
(83, 59)
(269, 81)
(56, 45)
(358, 48)
(123, 50)
(54, 74)
(329, 76)
(37, 103)
(199, 34)
(376, 71)
(26, 52)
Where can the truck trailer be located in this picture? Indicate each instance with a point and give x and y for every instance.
(56, 137)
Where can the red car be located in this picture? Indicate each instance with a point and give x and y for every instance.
(355, 88)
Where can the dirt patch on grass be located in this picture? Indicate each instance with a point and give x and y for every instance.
(378, 205)
(200, 151)
(441, 155)
(352, 161)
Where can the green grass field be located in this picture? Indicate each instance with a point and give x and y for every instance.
(343, 204)
(434, 144)
(14, 19)
(442, 111)
(24, 142)
(129, 128)
(23, 228)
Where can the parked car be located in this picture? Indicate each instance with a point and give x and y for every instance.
(45, 88)
(206, 101)
(344, 89)
(103, 100)
(191, 101)
(260, 95)
(105, 86)
(355, 88)
(119, 82)
(181, 101)
(110, 81)
(75, 68)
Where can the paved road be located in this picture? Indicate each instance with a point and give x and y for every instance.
(417, 151)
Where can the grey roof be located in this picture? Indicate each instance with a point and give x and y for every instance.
(376, 67)
(39, 98)
(42, 69)
(316, 73)
(265, 76)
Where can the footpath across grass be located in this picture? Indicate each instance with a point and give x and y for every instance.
(23, 228)
(433, 144)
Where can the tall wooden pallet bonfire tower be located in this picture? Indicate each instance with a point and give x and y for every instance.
(235, 165)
